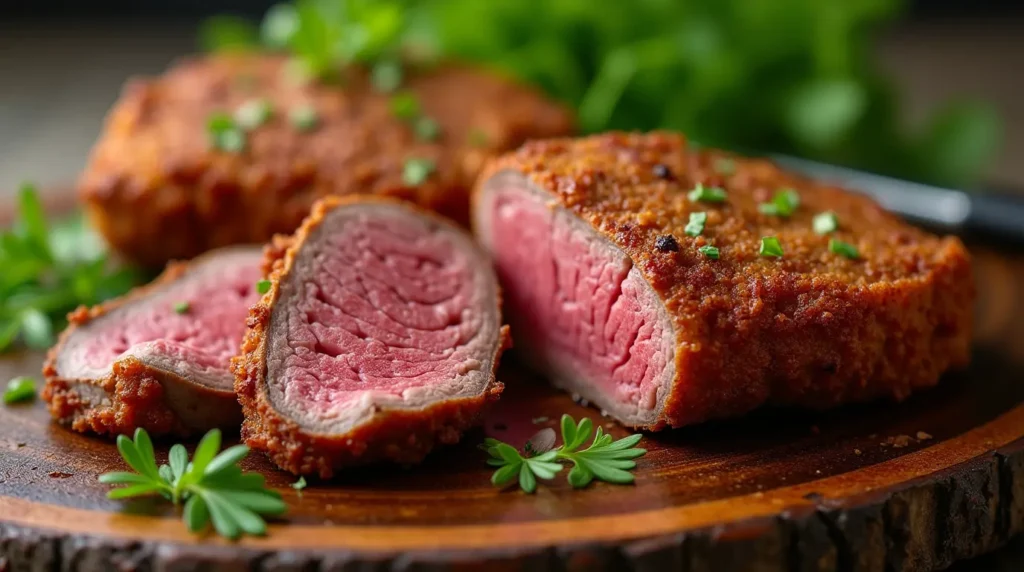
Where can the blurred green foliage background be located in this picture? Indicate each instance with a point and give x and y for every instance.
(784, 76)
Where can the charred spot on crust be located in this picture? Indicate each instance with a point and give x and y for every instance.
(662, 171)
(666, 243)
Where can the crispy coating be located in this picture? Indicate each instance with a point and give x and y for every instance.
(157, 190)
(395, 435)
(812, 328)
(134, 394)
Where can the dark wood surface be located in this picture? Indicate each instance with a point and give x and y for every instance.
(913, 486)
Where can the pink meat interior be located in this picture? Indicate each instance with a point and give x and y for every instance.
(576, 304)
(381, 307)
(203, 338)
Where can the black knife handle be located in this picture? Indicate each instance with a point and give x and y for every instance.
(998, 216)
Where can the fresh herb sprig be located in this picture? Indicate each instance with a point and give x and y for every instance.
(605, 459)
(212, 486)
(46, 270)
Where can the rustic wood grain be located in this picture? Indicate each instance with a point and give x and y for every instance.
(778, 490)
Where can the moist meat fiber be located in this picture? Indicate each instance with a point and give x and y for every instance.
(157, 189)
(611, 296)
(159, 357)
(378, 339)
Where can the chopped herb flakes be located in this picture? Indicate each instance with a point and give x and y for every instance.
(662, 171)
(426, 128)
(666, 243)
(707, 194)
(405, 106)
(696, 225)
(783, 204)
(253, 114)
(181, 307)
(417, 171)
(263, 286)
(825, 222)
(20, 389)
(387, 76)
(299, 484)
(709, 251)
(725, 166)
(843, 249)
(478, 138)
(225, 134)
(770, 247)
(304, 118)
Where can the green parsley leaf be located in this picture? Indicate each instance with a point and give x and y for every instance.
(604, 459)
(783, 204)
(181, 307)
(770, 247)
(843, 249)
(304, 118)
(426, 128)
(417, 171)
(386, 76)
(405, 106)
(696, 224)
(263, 286)
(253, 114)
(709, 251)
(20, 389)
(825, 222)
(212, 487)
(227, 34)
(224, 133)
(707, 194)
(299, 484)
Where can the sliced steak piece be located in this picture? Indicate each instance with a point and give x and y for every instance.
(378, 339)
(158, 357)
(614, 299)
(157, 188)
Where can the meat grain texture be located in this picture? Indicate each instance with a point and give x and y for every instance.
(157, 358)
(157, 189)
(378, 339)
(609, 295)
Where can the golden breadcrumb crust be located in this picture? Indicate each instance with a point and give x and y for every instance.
(157, 190)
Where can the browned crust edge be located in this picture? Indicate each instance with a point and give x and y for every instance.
(134, 394)
(394, 435)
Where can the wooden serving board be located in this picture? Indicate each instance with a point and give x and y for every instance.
(914, 486)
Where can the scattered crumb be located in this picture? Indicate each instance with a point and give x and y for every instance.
(857, 452)
(817, 471)
(922, 436)
(897, 442)
(759, 495)
(580, 400)
(20, 445)
(60, 475)
(815, 429)
(539, 420)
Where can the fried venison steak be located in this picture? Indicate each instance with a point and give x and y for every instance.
(159, 357)
(166, 180)
(378, 339)
(639, 273)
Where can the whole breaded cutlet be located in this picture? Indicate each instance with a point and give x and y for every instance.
(157, 188)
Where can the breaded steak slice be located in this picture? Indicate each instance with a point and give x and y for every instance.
(645, 275)
(159, 187)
